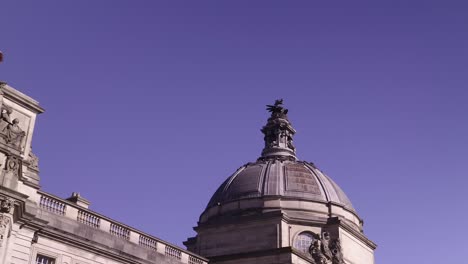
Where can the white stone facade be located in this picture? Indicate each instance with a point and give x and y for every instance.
(40, 228)
(274, 210)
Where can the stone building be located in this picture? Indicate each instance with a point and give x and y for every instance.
(274, 210)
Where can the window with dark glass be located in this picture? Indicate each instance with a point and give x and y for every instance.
(41, 259)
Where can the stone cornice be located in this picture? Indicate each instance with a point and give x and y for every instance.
(252, 254)
(266, 253)
(21, 99)
(233, 219)
(280, 198)
(91, 246)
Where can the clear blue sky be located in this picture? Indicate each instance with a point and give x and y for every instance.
(150, 105)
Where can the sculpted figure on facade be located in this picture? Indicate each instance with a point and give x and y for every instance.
(290, 142)
(316, 250)
(14, 134)
(5, 117)
(335, 247)
(6, 205)
(33, 160)
(5, 113)
(4, 227)
(10, 131)
(325, 250)
(326, 245)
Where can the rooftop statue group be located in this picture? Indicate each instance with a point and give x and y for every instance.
(276, 133)
(277, 110)
(10, 131)
(326, 250)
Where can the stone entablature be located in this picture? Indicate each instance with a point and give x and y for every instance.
(69, 210)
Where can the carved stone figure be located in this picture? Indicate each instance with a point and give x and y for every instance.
(4, 227)
(5, 205)
(335, 248)
(326, 245)
(290, 143)
(5, 117)
(10, 130)
(14, 134)
(317, 254)
(33, 160)
(325, 250)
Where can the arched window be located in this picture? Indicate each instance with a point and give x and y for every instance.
(303, 241)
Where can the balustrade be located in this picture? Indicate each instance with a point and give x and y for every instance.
(147, 242)
(119, 231)
(88, 219)
(173, 252)
(194, 260)
(52, 205)
(57, 206)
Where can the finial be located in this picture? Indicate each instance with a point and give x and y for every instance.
(278, 133)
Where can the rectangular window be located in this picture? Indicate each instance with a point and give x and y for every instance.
(40, 259)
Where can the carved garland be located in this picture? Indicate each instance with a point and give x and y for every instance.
(5, 208)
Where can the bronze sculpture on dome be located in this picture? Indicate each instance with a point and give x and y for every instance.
(277, 110)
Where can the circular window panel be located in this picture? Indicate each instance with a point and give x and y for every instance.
(303, 241)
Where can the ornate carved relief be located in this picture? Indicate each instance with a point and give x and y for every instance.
(326, 250)
(5, 218)
(33, 160)
(4, 227)
(13, 165)
(6, 205)
(335, 247)
(10, 130)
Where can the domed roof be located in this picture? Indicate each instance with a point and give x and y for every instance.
(278, 180)
(282, 178)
